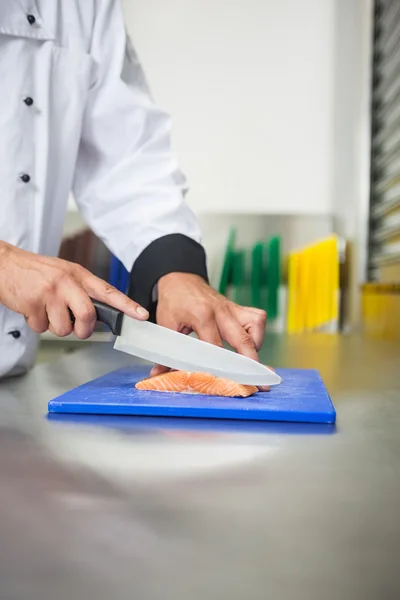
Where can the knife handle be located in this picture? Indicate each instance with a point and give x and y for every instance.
(106, 314)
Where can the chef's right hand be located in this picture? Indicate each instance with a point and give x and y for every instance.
(43, 289)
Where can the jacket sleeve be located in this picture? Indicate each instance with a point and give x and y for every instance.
(127, 182)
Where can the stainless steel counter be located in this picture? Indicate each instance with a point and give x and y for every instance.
(115, 511)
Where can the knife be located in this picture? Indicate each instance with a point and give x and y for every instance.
(173, 349)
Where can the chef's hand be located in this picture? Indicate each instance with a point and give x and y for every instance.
(187, 303)
(43, 289)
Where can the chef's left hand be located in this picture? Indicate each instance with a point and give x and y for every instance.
(187, 303)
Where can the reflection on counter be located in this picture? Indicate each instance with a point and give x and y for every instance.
(205, 427)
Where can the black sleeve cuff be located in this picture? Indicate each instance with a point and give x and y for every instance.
(169, 254)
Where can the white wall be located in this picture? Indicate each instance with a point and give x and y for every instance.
(250, 86)
(352, 71)
(351, 151)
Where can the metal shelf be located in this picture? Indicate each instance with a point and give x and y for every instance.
(386, 183)
(386, 233)
(385, 208)
(385, 258)
(389, 29)
(387, 157)
(385, 150)
(386, 132)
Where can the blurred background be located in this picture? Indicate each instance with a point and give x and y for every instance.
(287, 125)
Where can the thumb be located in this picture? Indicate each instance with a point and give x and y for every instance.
(159, 370)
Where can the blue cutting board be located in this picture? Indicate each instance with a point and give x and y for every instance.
(301, 398)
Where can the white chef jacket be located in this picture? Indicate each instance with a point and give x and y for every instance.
(75, 113)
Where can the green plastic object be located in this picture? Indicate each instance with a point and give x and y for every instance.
(273, 248)
(227, 268)
(241, 290)
(239, 268)
(257, 256)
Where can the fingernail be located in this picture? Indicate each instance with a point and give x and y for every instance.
(264, 388)
(142, 312)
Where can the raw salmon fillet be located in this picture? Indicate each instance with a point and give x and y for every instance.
(196, 383)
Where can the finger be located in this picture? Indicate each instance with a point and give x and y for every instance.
(253, 321)
(170, 323)
(235, 334)
(266, 388)
(159, 370)
(83, 310)
(208, 332)
(257, 332)
(240, 339)
(38, 321)
(186, 330)
(100, 290)
(203, 323)
(253, 309)
(59, 318)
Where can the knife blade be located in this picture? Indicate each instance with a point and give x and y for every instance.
(172, 349)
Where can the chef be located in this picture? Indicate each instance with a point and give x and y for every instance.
(76, 114)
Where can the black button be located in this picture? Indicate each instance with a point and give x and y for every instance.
(16, 334)
(25, 178)
(28, 101)
(31, 19)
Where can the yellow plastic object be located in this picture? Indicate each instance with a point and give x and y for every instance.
(293, 273)
(313, 287)
(381, 310)
(334, 274)
(321, 285)
(305, 284)
(314, 262)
